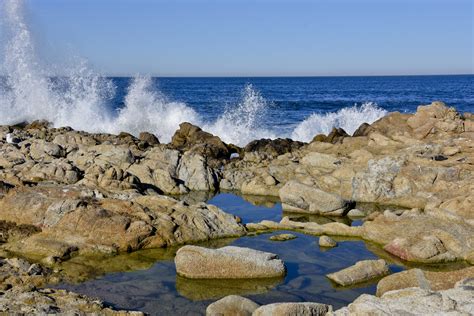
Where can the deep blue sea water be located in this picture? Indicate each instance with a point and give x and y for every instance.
(292, 99)
(238, 110)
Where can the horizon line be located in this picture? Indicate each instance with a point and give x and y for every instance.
(266, 76)
(285, 76)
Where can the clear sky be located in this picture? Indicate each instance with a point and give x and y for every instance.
(259, 37)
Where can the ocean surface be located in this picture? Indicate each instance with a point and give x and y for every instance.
(236, 109)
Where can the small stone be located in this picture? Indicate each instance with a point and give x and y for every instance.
(35, 269)
(282, 237)
(51, 260)
(355, 213)
(232, 305)
(325, 241)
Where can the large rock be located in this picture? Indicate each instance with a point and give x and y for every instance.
(376, 183)
(232, 305)
(197, 175)
(298, 197)
(73, 218)
(192, 138)
(227, 263)
(428, 280)
(360, 272)
(158, 170)
(41, 150)
(283, 309)
(273, 147)
(434, 118)
(422, 237)
(415, 301)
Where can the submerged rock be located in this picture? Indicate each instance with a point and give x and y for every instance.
(227, 263)
(360, 272)
(282, 237)
(232, 305)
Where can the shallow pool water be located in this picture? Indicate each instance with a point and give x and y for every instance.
(146, 280)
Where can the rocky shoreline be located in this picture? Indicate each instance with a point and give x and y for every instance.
(66, 193)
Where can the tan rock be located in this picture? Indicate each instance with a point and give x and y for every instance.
(282, 309)
(429, 280)
(298, 197)
(325, 241)
(362, 271)
(227, 263)
(232, 305)
(415, 301)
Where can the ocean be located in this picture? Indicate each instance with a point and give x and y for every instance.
(236, 109)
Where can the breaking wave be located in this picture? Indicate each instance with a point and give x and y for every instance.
(349, 119)
(241, 124)
(83, 99)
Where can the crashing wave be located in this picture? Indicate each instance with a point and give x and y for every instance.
(349, 119)
(241, 124)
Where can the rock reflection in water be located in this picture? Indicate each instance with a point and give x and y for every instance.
(197, 290)
(249, 208)
(319, 219)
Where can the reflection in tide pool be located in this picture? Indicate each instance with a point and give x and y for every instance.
(151, 284)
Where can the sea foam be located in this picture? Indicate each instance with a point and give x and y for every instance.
(83, 99)
(349, 119)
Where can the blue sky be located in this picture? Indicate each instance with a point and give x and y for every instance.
(230, 37)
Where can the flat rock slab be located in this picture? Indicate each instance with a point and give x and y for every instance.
(282, 309)
(360, 272)
(229, 262)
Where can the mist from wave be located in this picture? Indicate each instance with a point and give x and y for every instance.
(82, 99)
